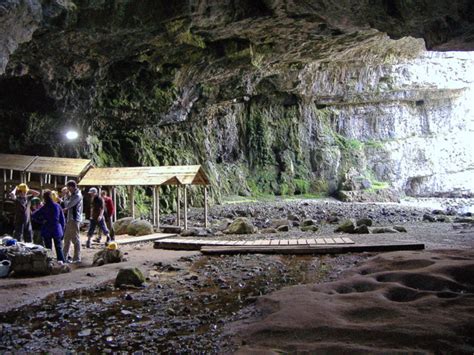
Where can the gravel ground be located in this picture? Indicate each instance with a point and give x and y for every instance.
(185, 305)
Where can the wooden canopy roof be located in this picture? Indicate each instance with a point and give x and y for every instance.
(146, 176)
(59, 166)
(45, 165)
(15, 161)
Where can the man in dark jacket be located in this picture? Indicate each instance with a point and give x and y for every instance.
(22, 196)
(97, 216)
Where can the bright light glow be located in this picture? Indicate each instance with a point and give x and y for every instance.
(71, 135)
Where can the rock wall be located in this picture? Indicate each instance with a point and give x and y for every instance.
(270, 96)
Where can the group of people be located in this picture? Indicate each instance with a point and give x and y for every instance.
(57, 219)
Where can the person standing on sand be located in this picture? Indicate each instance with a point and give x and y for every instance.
(22, 196)
(51, 218)
(73, 209)
(97, 216)
(108, 213)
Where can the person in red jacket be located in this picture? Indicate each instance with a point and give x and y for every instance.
(108, 213)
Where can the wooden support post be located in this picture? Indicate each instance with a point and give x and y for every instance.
(132, 200)
(157, 206)
(65, 180)
(55, 181)
(185, 207)
(11, 174)
(41, 184)
(4, 188)
(178, 209)
(205, 207)
(154, 207)
(114, 198)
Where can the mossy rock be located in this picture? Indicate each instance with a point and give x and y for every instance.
(383, 230)
(310, 228)
(129, 277)
(241, 225)
(121, 225)
(364, 221)
(400, 229)
(139, 227)
(107, 256)
(284, 228)
(362, 229)
(308, 222)
(348, 226)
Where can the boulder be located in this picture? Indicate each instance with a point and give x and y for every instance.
(241, 225)
(284, 228)
(29, 261)
(383, 230)
(275, 223)
(347, 226)
(293, 217)
(362, 229)
(400, 229)
(429, 218)
(171, 229)
(121, 225)
(364, 221)
(269, 231)
(308, 222)
(129, 277)
(107, 256)
(197, 232)
(139, 227)
(309, 228)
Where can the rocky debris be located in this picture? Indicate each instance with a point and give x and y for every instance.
(140, 227)
(240, 225)
(464, 220)
(275, 223)
(107, 256)
(171, 229)
(362, 229)
(197, 232)
(121, 225)
(27, 261)
(129, 277)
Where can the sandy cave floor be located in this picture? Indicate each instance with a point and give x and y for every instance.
(192, 303)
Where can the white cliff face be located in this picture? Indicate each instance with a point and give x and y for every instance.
(414, 119)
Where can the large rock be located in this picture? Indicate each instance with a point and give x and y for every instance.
(347, 226)
(140, 227)
(129, 277)
(121, 225)
(107, 256)
(28, 261)
(241, 225)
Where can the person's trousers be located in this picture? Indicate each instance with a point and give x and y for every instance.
(71, 235)
(23, 232)
(101, 225)
(48, 243)
(110, 227)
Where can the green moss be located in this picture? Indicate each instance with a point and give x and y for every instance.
(301, 186)
(191, 39)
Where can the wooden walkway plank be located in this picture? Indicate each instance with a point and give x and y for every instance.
(348, 240)
(339, 240)
(320, 241)
(329, 241)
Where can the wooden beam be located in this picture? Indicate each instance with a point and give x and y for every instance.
(205, 207)
(178, 208)
(154, 207)
(185, 207)
(157, 206)
(132, 200)
(114, 200)
(309, 249)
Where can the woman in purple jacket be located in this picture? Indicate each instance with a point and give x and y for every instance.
(51, 218)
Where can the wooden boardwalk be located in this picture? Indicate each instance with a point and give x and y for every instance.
(197, 244)
(128, 239)
(321, 245)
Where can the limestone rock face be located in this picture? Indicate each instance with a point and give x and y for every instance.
(281, 97)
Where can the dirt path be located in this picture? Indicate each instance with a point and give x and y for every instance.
(16, 292)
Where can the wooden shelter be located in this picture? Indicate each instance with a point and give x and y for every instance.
(155, 176)
(39, 172)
